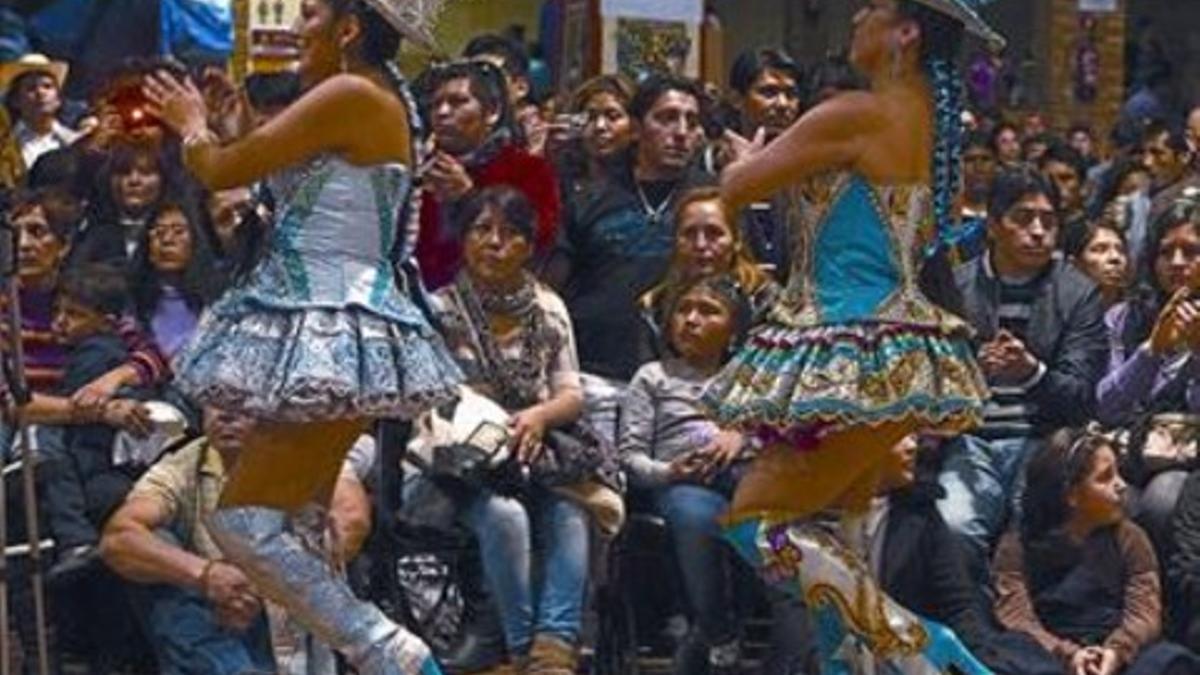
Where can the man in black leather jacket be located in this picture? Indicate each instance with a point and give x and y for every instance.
(1042, 345)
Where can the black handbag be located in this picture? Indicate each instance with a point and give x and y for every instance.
(572, 454)
(575, 454)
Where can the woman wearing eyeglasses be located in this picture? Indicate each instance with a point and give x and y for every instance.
(319, 339)
(855, 356)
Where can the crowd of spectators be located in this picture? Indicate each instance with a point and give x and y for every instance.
(586, 276)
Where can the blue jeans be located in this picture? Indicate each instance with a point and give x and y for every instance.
(507, 529)
(48, 441)
(188, 640)
(984, 481)
(692, 514)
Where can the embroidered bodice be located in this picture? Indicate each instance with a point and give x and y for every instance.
(858, 250)
(334, 233)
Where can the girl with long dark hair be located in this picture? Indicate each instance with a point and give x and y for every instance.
(1078, 576)
(855, 357)
(319, 339)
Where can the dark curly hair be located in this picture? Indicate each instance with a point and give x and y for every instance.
(200, 283)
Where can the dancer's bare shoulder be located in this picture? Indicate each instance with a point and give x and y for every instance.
(831, 136)
(372, 120)
(346, 115)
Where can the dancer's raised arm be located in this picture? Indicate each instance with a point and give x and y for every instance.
(332, 117)
(830, 136)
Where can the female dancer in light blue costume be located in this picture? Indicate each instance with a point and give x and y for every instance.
(319, 339)
(854, 357)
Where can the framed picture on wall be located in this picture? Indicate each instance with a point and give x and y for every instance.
(642, 38)
(648, 46)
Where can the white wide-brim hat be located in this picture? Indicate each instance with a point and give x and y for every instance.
(32, 63)
(415, 19)
(967, 12)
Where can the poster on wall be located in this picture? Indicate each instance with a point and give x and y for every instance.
(1098, 5)
(642, 38)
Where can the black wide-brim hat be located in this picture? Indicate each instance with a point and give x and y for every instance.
(967, 12)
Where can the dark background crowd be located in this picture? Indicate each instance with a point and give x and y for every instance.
(578, 260)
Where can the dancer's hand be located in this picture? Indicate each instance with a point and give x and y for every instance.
(179, 105)
(128, 415)
(528, 430)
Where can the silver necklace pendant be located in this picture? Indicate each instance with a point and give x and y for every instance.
(654, 215)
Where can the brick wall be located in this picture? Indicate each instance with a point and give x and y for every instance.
(1064, 34)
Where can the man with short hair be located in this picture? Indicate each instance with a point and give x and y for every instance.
(619, 232)
(203, 614)
(1083, 141)
(978, 170)
(1171, 162)
(766, 88)
(1064, 169)
(510, 57)
(467, 105)
(1043, 347)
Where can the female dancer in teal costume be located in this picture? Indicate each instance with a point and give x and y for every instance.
(319, 339)
(854, 357)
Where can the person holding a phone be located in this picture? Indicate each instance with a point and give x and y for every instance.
(590, 142)
(473, 146)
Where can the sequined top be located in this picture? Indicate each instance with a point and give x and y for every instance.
(857, 255)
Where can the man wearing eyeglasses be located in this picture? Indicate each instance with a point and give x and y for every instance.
(1042, 346)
